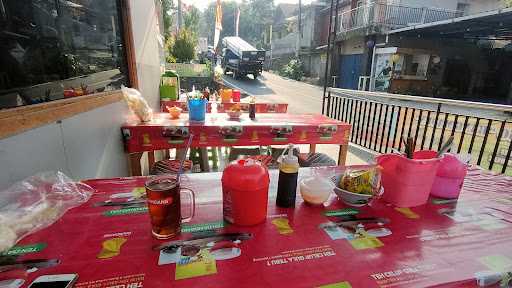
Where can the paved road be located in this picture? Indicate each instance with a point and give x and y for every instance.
(301, 97)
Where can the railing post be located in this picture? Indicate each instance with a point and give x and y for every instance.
(329, 104)
(435, 125)
(423, 15)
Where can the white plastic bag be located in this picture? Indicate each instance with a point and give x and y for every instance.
(37, 202)
(137, 104)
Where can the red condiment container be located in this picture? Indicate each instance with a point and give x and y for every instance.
(235, 95)
(245, 192)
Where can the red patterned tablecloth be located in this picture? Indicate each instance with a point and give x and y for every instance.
(223, 107)
(219, 130)
(443, 243)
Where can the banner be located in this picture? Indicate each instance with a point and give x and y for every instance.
(237, 20)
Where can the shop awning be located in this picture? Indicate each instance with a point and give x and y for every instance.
(495, 24)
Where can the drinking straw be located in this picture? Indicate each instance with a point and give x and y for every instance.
(182, 160)
(445, 147)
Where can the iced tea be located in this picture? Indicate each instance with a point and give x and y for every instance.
(163, 195)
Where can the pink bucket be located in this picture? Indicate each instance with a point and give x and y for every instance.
(449, 178)
(408, 182)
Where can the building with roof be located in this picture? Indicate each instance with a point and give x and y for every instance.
(467, 58)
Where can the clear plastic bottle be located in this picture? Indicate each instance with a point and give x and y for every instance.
(214, 110)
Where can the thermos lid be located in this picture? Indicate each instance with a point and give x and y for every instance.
(246, 175)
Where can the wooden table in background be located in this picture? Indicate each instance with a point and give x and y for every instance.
(219, 131)
(223, 107)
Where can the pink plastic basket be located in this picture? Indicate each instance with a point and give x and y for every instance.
(408, 182)
(450, 177)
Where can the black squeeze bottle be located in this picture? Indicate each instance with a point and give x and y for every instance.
(288, 174)
(252, 108)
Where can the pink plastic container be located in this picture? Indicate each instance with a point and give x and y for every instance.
(235, 95)
(408, 182)
(450, 177)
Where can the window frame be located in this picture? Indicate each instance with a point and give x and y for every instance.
(20, 119)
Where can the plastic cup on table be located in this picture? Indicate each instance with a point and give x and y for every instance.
(408, 182)
(226, 95)
(197, 109)
(449, 178)
(235, 95)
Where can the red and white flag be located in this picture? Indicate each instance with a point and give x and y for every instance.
(218, 24)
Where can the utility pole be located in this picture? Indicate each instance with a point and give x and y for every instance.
(180, 16)
(270, 41)
(328, 63)
(299, 30)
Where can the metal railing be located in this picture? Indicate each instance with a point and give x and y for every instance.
(380, 121)
(391, 16)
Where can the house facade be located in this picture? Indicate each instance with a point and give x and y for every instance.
(362, 25)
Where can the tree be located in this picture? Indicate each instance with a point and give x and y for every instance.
(508, 3)
(255, 17)
(167, 10)
(191, 20)
(182, 46)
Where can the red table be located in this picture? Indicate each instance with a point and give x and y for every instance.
(426, 247)
(218, 130)
(223, 107)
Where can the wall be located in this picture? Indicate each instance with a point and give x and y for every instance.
(88, 145)
(353, 46)
(441, 4)
(477, 6)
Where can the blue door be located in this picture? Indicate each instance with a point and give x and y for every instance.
(349, 71)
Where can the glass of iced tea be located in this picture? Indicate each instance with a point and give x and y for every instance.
(164, 205)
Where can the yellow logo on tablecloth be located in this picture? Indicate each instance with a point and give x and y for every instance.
(254, 136)
(203, 137)
(303, 136)
(146, 140)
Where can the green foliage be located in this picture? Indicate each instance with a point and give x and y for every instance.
(167, 7)
(191, 20)
(293, 70)
(255, 18)
(182, 46)
(508, 3)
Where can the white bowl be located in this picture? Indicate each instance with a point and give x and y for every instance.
(315, 190)
(349, 198)
(235, 115)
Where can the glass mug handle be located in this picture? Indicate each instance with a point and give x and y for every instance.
(192, 206)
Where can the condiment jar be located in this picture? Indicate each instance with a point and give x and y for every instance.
(245, 192)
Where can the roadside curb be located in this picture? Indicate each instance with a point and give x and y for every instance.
(293, 80)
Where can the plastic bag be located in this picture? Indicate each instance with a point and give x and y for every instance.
(137, 104)
(362, 181)
(37, 202)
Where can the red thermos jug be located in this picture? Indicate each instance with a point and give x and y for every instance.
(245, 192)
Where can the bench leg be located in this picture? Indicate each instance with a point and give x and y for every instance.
(312, 148)
(134, 164)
